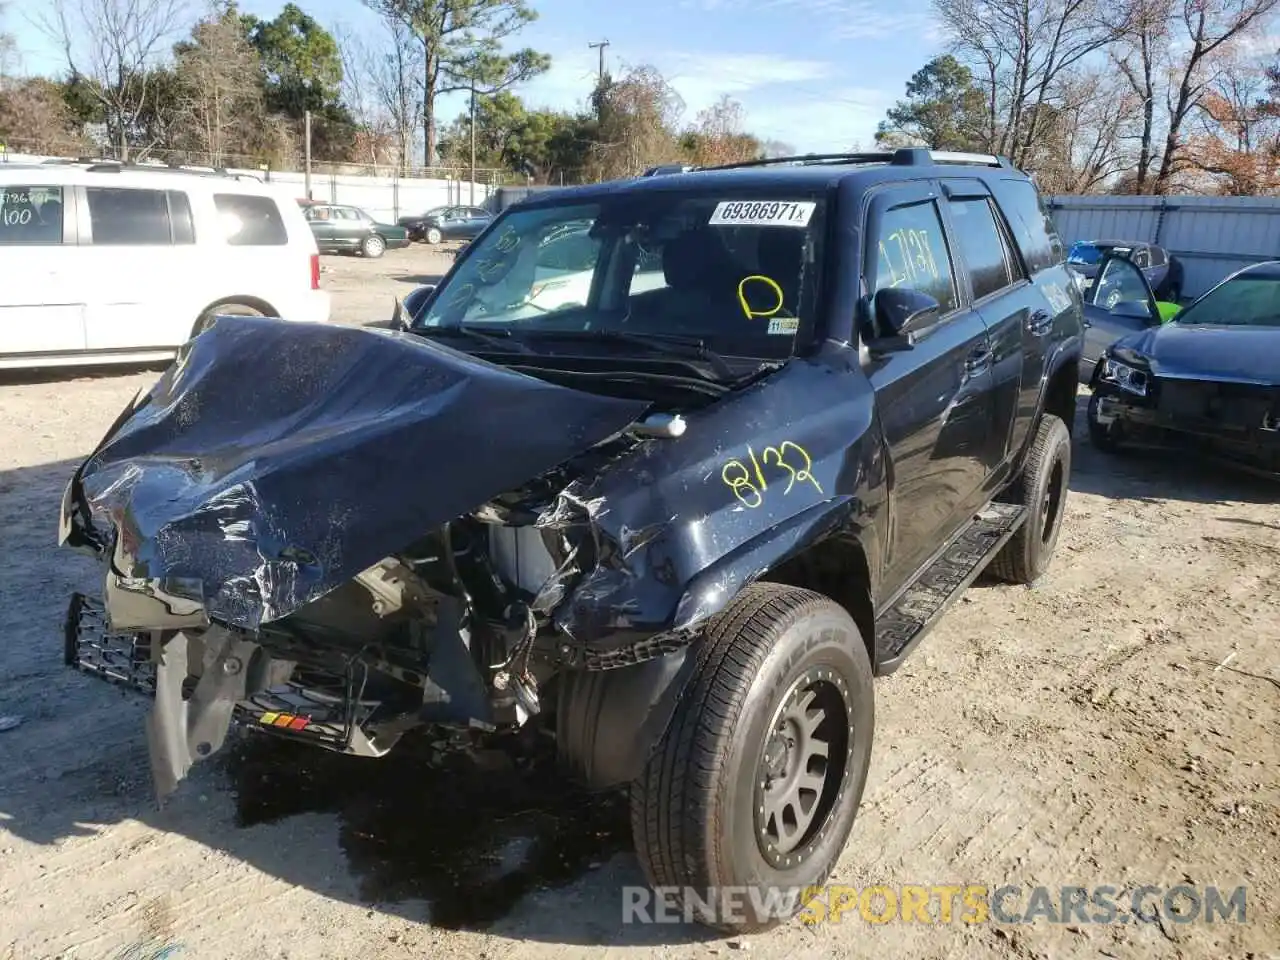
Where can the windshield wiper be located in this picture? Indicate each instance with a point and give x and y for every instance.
(500, 338)
(672, 344)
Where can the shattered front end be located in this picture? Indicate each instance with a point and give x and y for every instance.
(334, 535)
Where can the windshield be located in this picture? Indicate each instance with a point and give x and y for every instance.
(1243, 302)
(738, 273)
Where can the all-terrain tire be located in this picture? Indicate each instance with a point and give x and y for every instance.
(698, 811)
(1042, 489)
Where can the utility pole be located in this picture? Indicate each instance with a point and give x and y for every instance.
(307, 151)
(473, 140)
(600, 45)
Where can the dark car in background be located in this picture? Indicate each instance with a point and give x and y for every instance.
(447, 223)
(344, 229)
(1208, 381)
(1162, 271)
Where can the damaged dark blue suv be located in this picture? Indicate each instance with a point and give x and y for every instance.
(665, 470)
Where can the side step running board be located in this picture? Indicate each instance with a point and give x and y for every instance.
(906, 622)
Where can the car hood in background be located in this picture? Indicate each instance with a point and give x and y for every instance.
(1237, 354)
(274, 461)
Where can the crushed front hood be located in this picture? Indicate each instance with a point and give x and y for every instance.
(1193, 352)
(274, 461)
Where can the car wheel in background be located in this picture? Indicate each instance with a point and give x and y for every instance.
(224, 309)
(373, 246)
(434, 235)
(1101, 435)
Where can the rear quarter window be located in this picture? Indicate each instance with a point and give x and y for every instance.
(30, 215)
(250, 221)
(1028, 217)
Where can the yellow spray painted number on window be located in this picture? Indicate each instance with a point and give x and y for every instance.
(749, 484)
(914, 254)
(766, 281)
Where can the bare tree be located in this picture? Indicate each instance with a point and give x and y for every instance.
(1082, 141)
(1209, 29)
(218, 75)
(460, 44)
(718, 135)
(1021, 52)
(35, 119)
(8, 49)
(638, 117)
(113, 44)
(1142, 55)
(1237, 141)
(382, 90)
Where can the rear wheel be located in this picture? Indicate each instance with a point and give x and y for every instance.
(1042, 489)
(751, 794)
(434, 235)
(373, 246)
(226, 310)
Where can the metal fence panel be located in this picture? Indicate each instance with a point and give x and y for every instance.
(1212, 236)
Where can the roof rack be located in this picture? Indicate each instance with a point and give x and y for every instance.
(901, 157)
(117, 166)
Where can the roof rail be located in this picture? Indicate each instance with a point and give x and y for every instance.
(805, 160)
(117, 166)
(922, 156)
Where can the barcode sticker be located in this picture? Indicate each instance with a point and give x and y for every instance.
(762, 213)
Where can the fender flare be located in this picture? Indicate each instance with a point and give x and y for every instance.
(610, 721)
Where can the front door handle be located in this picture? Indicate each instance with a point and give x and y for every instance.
(1040, 323)
(978, 361)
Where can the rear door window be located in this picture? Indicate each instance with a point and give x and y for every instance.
(980, 244)
(124, 216)
(250, 221)
(30, 215)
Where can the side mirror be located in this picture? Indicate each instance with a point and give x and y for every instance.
(897, 314)
(399, 316)
(1132, 310)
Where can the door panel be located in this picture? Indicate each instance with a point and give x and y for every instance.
(935, 399)
(128, 227)
(41, 302)
(1118, 289)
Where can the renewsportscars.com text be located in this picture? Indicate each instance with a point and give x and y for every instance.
(940, 904)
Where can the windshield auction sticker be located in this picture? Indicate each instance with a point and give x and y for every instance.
(767, 213)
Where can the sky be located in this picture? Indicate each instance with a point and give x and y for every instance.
(814, 74)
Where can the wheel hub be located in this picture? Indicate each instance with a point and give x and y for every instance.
(804, 763)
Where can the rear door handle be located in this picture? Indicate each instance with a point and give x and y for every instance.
(1040, 323)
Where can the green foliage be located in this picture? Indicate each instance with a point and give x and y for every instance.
(944, 109)
(301, 63)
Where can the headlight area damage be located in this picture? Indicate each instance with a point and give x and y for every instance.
(339, 534)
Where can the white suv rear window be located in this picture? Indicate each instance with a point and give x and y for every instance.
(250, 221)
(30, 215)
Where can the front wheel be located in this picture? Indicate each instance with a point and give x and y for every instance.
(746, 804)
(1042, 489)
(373, 246)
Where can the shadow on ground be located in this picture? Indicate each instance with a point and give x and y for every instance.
(418, 279)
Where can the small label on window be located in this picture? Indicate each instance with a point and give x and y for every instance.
(762, 213)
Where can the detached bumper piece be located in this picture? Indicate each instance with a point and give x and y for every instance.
(206, 682)
(120, 658)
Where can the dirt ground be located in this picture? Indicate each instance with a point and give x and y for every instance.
(1117, 724)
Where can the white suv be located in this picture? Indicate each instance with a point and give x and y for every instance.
(107, 262)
